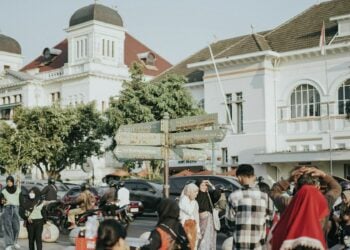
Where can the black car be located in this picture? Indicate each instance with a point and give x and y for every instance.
(149, 193)
(177, 183)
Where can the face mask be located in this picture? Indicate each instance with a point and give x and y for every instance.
(31, 195)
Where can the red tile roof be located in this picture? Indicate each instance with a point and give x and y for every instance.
(132, 48)
(56, 63)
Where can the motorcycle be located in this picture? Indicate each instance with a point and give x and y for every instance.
(119, 213)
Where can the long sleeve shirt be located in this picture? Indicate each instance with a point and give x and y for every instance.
(189, 210)
(248, 214)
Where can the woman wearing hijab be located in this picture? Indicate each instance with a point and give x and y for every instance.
(10, 199)
(35, 220)
(189, 214)
(206, 199)
(300, 225)
(169, 233)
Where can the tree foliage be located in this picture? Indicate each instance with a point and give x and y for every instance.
(142, 101)
(51, 138)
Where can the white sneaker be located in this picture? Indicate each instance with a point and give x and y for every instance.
(17, 246)
(8, 248)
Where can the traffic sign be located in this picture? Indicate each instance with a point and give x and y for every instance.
(138, 152)
(141, 139)
(196, 137)
(192, 122)
(185, 154)
(146, 127)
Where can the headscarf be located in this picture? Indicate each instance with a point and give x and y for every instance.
(189, 189)
(168, 213)
(300, 224)
(11, 190)
(203, 198)
(347, 194)
(30, 203)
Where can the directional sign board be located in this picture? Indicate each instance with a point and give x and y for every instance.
(197, 136)
(141, 139)
(139, 152)
(186, 154)
(156, 153)
(146, 127)
(192, 122)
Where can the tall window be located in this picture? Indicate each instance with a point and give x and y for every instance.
(229, 107)
(239, 103)
(305, 101)
(224, 156)
(344, 98)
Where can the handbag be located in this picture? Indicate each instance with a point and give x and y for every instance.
(215, 213)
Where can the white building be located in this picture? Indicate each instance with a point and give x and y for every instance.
(288, 101)
(90, 64)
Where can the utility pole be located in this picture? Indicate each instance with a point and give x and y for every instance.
(165, 130)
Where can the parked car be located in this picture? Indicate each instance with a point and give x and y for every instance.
(135, 207)
(61, 187)
(177, 183)
(149, 193)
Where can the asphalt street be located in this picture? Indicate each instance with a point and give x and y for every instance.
(140, 225)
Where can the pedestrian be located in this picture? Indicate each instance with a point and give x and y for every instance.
(35, 218)
(281, 201)
(300, 225)
(111, 235)
(10, 197)
(189, 214)
(169, 233)
(331, 192)
(206, 198)
(50, 191)
(249, 212)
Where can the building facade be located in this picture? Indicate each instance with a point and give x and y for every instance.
(287, 92)
(90, 64)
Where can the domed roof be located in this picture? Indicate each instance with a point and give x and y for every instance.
(96, 12)
(10, 45)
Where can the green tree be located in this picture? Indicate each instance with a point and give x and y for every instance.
(142, 101)
(51, 138)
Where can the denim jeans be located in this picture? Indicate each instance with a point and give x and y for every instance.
(10, 221)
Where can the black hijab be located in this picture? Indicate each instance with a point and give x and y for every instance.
(12, 189)
(168, 213)
(30, 203)
(203, 198)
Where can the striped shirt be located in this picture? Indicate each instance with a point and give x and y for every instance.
(248, 213)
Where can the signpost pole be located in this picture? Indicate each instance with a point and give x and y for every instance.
(213, 157)
(165, 129)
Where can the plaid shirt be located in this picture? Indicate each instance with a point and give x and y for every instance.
(248, 213)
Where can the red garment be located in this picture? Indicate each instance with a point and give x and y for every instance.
(300, 224)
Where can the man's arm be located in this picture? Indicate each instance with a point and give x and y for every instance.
(280, 200)
(333, 188)
(230, 216)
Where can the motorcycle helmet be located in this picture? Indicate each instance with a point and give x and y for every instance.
(121, 184)
(84, 186)
(51, 181)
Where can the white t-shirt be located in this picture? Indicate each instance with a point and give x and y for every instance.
(123, 197)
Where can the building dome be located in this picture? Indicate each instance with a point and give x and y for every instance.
(96, 12)
(10, 45)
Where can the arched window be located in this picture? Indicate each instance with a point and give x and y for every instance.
(344, 98)
(305, 101)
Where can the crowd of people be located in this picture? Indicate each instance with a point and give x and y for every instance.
(303, 212)
(309, 210)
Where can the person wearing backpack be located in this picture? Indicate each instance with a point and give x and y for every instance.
(34, 216)
(169, 233)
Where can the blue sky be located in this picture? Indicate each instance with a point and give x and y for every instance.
(173, 28)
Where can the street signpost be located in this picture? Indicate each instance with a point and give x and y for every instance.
(167, 140)
(152, 139)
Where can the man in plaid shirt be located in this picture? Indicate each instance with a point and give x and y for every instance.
(249, 212)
